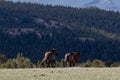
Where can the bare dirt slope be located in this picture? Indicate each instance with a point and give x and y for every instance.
(61, 74)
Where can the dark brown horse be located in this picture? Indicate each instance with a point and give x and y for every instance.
(72, 58)
(50, 58)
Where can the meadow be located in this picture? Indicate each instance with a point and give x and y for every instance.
(75, 73)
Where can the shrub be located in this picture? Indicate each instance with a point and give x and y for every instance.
(86, 64)
(3, 58)
(116, 64)
(108, 63)
(23, 62)
(11, 63)
(97, 63)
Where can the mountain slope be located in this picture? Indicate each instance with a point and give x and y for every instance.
(33, 29)
(104, 4)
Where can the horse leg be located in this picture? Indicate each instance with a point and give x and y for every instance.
(77, 64)
(48, 63)
(53, 63)
(42, 65)
(73, 64)
(70, 64)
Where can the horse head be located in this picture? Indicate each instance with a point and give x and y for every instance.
(54, 51)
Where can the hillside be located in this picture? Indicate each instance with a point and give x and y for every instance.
(103, 4)
(33, 29)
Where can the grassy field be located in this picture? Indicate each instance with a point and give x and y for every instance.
(61, 74)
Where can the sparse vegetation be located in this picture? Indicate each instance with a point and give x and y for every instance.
(61, 74)
(18, 62)
(22, 62)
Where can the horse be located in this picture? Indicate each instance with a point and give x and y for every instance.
(50, 58)
(72, 58)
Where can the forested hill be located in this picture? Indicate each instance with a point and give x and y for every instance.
(33, 29)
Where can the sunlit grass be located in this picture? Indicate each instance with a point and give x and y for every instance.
(61, 74)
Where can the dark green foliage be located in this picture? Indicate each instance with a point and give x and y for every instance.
(93, 32)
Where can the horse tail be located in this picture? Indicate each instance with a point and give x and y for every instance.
(45, 58)
(65, 59)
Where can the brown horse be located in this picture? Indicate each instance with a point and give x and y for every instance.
(50, 58)
(72, 58)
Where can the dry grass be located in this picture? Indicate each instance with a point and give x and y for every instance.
(61, 74)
